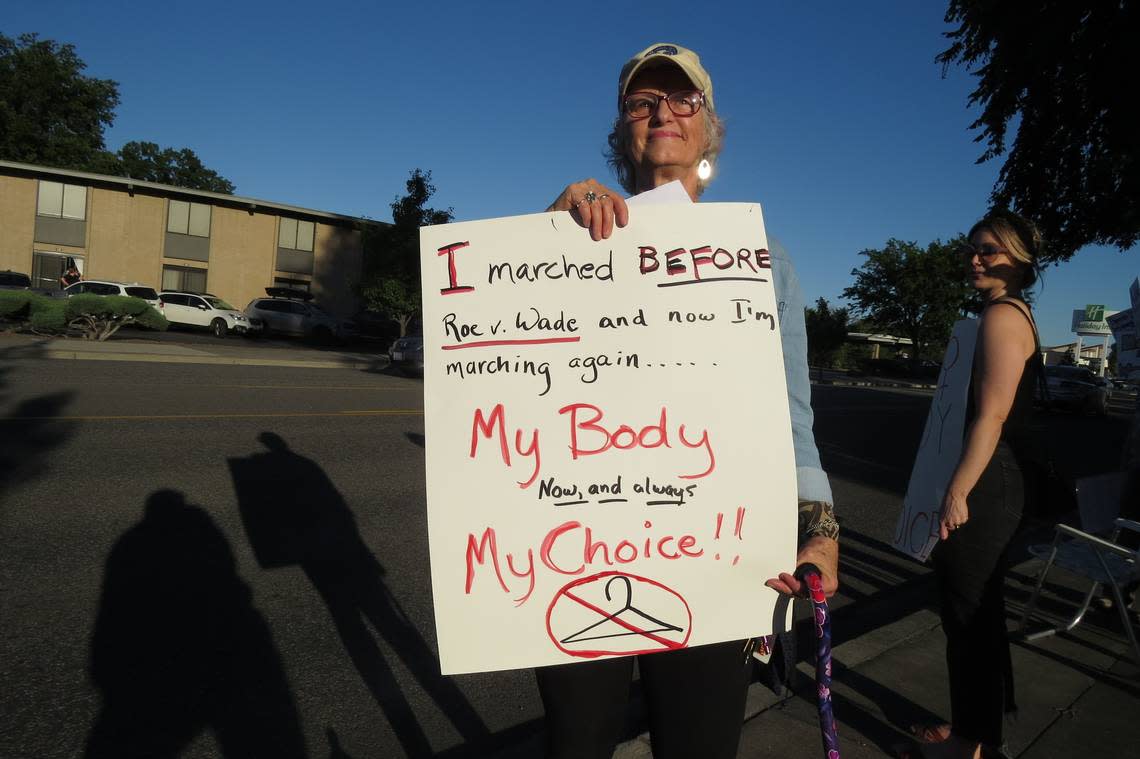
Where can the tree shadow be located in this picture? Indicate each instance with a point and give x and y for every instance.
(294, 515)
(179, 648)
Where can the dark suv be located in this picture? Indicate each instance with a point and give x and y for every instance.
(14, 280)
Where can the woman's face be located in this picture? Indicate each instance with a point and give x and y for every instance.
(664, 140)
(989, 265)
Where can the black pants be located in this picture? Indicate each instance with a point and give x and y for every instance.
(695, 698)
(970, 568)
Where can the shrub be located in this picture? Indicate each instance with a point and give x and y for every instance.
(100, 316)
(14, 304)
(95, 317)
(47, 314)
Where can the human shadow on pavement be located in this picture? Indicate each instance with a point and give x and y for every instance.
(179, 648)
(294, 515)
(29, 430)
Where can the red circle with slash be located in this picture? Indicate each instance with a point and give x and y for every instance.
(665, 626)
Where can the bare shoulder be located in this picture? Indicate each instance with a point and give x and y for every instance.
(1008, 321)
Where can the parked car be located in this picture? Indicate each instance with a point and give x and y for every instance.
(373, 325)
(192, 309)
(14, 280)
(289, 312)
(107, 287)
(1105, 384)
(407, 354)
(1075, 388)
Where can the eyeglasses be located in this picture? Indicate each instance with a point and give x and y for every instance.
(986, 253)
(641, 105)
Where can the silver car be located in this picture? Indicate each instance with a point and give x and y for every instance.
(297, 317)
(1075, 388)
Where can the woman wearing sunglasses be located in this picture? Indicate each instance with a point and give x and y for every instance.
(667, 129)
(984, 501)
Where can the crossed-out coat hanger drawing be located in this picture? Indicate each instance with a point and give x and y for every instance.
(608, 627)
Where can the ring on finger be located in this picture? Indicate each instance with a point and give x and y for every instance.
(590, 197)
(603, 196)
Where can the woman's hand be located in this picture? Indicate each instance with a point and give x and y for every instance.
(955, 513)
(821, 551)
(597, 216)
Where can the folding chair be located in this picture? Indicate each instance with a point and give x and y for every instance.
(1093, 553)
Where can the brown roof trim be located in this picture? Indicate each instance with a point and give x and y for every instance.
(132, 186)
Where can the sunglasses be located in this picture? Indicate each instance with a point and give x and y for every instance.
(641, 105)
(987, 254)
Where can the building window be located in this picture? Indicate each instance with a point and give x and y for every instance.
(183, 278)
(48, 269)
(293, 284)
(296, 235)
(62, 201)
(185, 218)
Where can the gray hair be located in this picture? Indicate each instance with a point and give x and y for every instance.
(617, 154)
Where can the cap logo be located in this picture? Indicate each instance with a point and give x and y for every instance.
(662, 50)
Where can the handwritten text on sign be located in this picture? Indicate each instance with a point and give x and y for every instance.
(940, 448)
(609, 461)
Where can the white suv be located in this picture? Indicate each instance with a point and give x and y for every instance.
(203, 310)
(107, 287)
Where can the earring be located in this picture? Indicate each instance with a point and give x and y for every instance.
(704, 170)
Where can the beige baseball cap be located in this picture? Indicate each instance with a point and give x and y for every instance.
(682, 57)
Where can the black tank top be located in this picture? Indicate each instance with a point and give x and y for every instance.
(1016, 432)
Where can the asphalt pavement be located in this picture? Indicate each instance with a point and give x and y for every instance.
(93, 447)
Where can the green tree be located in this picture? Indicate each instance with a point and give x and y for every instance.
(149, 162)
(50, 113)
(53, 115)
(912, 292)
(391, 278)
(394, 297)
(826, 333)
(1055, 68)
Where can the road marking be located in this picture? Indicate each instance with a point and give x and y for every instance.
(152, 417)
(300, 387)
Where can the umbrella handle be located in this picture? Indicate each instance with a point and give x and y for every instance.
(811, 575)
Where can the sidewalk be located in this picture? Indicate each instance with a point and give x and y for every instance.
(1078, 695)
(232, 352)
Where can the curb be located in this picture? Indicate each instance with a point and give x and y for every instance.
(216, 360)
(874, 383)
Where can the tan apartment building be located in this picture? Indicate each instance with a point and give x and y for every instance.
(172, 238)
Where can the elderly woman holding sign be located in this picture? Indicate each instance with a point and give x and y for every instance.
(667, 129)
(985, 497)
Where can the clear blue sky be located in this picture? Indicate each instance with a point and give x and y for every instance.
(839, 121)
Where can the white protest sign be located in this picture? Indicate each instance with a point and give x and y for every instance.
(917, 531)
(609, 458)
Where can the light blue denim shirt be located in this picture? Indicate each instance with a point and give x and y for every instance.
(811, 480)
